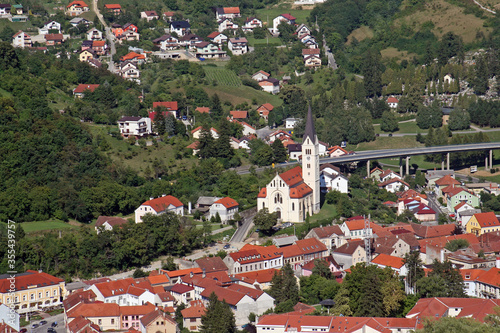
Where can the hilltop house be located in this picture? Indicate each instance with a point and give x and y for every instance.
(134, 126)
(166, 203)
(238, 45)
(76, 8)
(283, 18)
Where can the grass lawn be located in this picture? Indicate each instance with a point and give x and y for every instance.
(360, 34)
(268, 14)
(241, 94)
(392, 52)
(387, 143)
(30, 227)
(272, 40)
(327, 211)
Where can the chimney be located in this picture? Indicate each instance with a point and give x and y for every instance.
(163, 195)
(204, 274)
(191, 274)
(112, 292)
(151, 198)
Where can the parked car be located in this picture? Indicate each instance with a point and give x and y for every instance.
(23, 330)
(227, 246)
(43, 322)
(51, 330)
(54, 324)
(34, 326)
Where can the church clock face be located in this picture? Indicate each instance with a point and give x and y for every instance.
(308, 158)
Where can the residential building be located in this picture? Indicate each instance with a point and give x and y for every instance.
(182, 293)
(196, 133)
(270, 85)
(80, 90)
(261, 75)
(134, 126)
(336, 151)
(131, 315)
(394, 185)
(218, 37)
(191, 315)
(128, 70)
(395, 263)
(21, 39)
(303, 251)
(208, 51)
(258, 279)
(33, 291)
(104, 315)
(332, 180)
(350, 254)
(54, 39)
(167, 42)
(94, 34)
(392, 102)
(76, 8)
(157, 321)
(5, 9)
(458, 195)
(302, 31)
(227, 24)
(127, 35)
(227, 12)
(253, 258)
(108, 222)
(312, 61)
(211, 264)
(332, 236)
(307, 269)
(283, 18)
(251, 23)
(49, 26)
(114, 8)
(264, 110)
(439, 307)
(149, 15)
(422, 231)
(290, 122)
(171, 108)
(86, 55)
(238, 45)
(356, 229)
(444, 182)
(164, 204)
(482, 223)
(225, 207)
(79, 20)
(181, 28)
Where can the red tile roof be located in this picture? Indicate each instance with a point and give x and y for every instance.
(195, 311)
(202, 109)
(253, 253)
(325, 232)
(227, 202)
(487, 220)
(291, 251)
(231, 10)
(423, 231)
(157, 279)
(95, 310)
(447, 180)
(162, 203)
(311, 245)
(179, 288)
(288, 17)
(440, 242)
(150, 317)
(263, 73)
(252, 292)
(136, 310)
(171, 106)
(29, 279)
(182, 272)
(77, 4)
(393, 180)
(388, 261)
(231, 297)
(133, 55)
(262, 276)
(239, 114)
(82, 87)
(211, 264)
(111, 220)
(392, 100)
(293, 176)
(310, 51)
(79, 323)
(98, 43)
(54, 37)
(112, 6)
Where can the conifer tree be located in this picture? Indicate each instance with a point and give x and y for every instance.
(341, 306)
(159, 124)
(279, 151)
(218, 318)
(206, 144)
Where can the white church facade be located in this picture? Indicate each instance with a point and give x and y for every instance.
(295, 193)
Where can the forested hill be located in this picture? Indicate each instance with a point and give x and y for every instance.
(49, 162)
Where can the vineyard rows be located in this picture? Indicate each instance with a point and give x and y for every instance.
(222, 76)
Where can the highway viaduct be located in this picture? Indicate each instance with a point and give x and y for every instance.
(406, 153)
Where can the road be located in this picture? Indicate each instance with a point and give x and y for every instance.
(43, 329)
(109, 37)
(329, 54)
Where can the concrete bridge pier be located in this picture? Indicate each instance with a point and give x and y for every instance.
(368, 168)
(407, 165)
(442, 162)
(486, 162)
(401, 166)
(491, 159)
(447, 161)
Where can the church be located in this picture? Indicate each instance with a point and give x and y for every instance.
(296, 192)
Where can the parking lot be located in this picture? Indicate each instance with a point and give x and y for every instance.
(43, 328)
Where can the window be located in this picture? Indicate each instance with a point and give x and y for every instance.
(112, 321)
(32, 296)
(192, 320)
(39, 295)
(99, 322)
(293, 206)
(47, 294)
(55, 292)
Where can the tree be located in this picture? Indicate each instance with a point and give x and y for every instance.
(265, 220)
(459, 119)
(372, 72)
(430, 116)
(178, 315)
(389, 123)
(218, 317)
(206, 144)
(279, 151)
(341, 306)
(480, 80)
(284, 287)
(159, 124)
(286, 32)
(322, 268)
(170, 125)
(415, 271)
(451, 45)
(456, 244)
(442, 281)
(215, 107)
(453, 324)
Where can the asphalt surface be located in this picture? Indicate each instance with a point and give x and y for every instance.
(43, 329)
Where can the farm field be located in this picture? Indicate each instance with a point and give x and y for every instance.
(222, 76)
(267, 15)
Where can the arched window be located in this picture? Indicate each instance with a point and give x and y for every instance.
(293, 206)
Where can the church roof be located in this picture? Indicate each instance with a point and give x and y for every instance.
(293, 178)
(310, 131)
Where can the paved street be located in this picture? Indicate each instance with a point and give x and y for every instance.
(43, 329)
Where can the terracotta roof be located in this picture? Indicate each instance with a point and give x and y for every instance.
(252, 292)
(392, 100)
(27, 280)
(183, 272)
(388, 261)
(293, 176)
(169, 105)
(239, 114)
(325, 232)
(79, 323)
(112, 6)
(433, 231)
(266, 106)
(157, 279)
(227, 202)
(456, 190)
(440, 242)
(311, 264)
(181, 288)
(288, 17)
(78, 297)
(162, 203)
(350, 247)
(165, 296)
(95, 310)
(393, 180)
(77, 4)
(202, 109)
(54, 37)
(291, 251)
(238, 40)
(150, 13)
(111, 220)
(133, 55)
(169, 14)
(261, 276)
(98, 43)
(211, 264)
(231, 297)
(253, 253)
(195, 311)
(311, 245)
(265, 74)
(214, 34)
(310, 51)
(150, 317)
(447, 180)
(335, 148)
(194, 145)
(487, 220)
(82, 87)
(231, 10)
(136, 310)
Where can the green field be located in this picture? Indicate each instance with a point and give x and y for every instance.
(222, 76)
(267, 15)
(30, 227)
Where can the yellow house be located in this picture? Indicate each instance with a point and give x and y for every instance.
(482, 223)
(157, 321)
(104, 315)
(86, 55)
(31, 291)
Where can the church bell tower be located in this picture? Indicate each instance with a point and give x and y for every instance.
(310, 160)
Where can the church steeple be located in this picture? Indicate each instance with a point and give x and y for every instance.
(310, 131)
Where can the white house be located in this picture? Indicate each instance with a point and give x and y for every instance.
(286, 18)
(180, 27)
(251, 23)
(331, 180)
(94, 34)
(196, 133)
(149, 15)
(125, 292)
(356, 229)
(218, 37)
(291, 122)
(302, 31)
(270, 85)
(238, 45)
(208, 50)
(392, 102)
(225, 207)
(108, 222)
(50, 25)
(227, 12)
(134, 126)
(261, 75)
(394, 185)
(252, 258)
(227, 24)
(395, 263)
(166, 203)
(21, 39)
(169, 42)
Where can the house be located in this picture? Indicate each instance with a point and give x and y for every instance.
(227, 12)
(192, 315)
(54, 39)
(395, 263)
(181, 28)
(211, 264)
(106, 316)
(261, 75)
(157, 321)
(218, 37)
(439, 307)
(226, 24)
(270, 85)
(302, 31)
(167, 42)
(79, 20)
(79, 91)
(444, 182)
(283, 18)
(291, 122)
(167, 203)
(128, 70)
(251, 23)
(423, 232)
(17, 9)
(312, 61)
(332, 236)
(21, 39)
(254, 258)
(457, 195)
(194, 147)
(127, 35)
(94, 34)
(336, 151)
(303, 251)
(389, 174)
(87, 55)
(225, 207)
(208, 50)
(350, 254)
(171, 107)
(307, 269)
(168, 16)
(394, 185)
(264, 110)
(149, 15)
(114, 8)
(108, 222)
(238, 45)
(190, 40)
(332, 180)
(134, 126)
(76, 8)
(392, 102)
(130, 316)
(99, 47)
(432, 175)
(182, 293)
(310, 52)
(49, 26)
(125, 292)
(31, 291)
(238, 114)
(196, 133)
(202, 109)
(482, 223)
